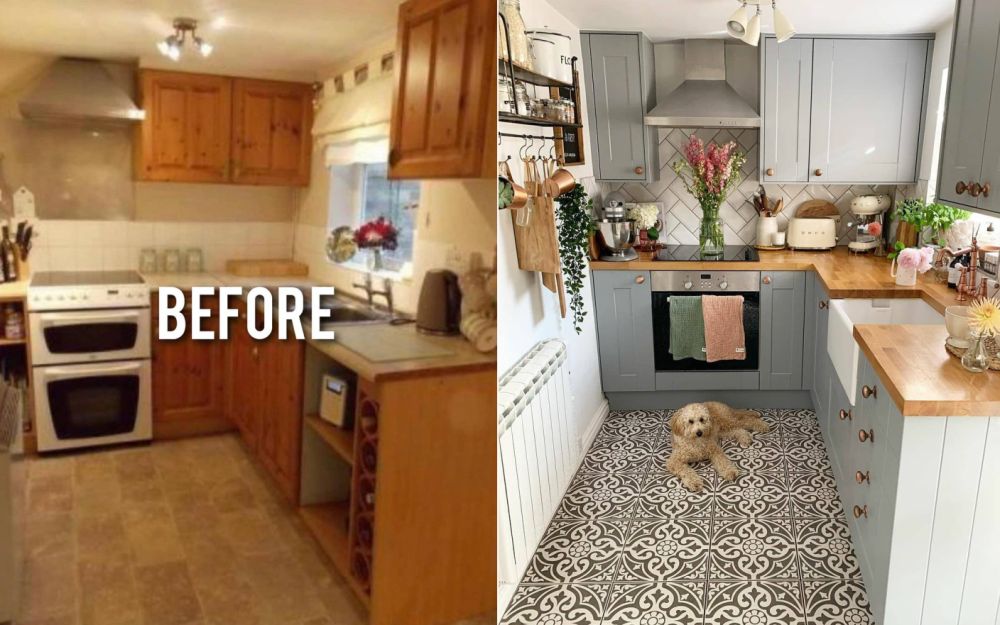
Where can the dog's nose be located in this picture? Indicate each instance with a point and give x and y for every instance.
(699, 433)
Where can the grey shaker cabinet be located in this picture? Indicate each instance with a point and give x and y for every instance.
(787, 88)
(842, 110)
(782, 321)
(619, 78)
(972, 122)
(624, 310)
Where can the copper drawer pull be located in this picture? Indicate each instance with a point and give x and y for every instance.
(866, 435)
(640, 279)
(986, 190)
(639, 171)
(823, 305)
(961, 187)
(818, 172)
(770, 171)
(861, 511)
(975, 189)
(869, 391)
(844, 415)
(860, 477)
(766, 279)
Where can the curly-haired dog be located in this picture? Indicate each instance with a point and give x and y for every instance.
(696, 430)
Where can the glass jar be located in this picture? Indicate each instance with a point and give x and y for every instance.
(505, 95)
(147, 260)
(194, 260)
(520, 47)
(171, 261)
(975, 358)
(523, 101)
(568, 110)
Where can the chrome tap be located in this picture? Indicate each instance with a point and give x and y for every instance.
(371, 291)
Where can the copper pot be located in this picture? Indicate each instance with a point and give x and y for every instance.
(561, 181)
(520, 199)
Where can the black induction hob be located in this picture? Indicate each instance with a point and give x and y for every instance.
(730, 253)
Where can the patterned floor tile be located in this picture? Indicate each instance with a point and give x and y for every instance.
(635, 423)
(623, 455)
(753, 494)
(754, 603)
(663, 497)
(757, 548)
(564, 604)
(664, 550)
(836, 602)
(806, 454)
(601, 496)
(825, 549)
(814, 495)
(578, 551)
(761, 456)
(799, 424)
(659, 603)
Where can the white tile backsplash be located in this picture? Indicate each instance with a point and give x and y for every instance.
(69, 245)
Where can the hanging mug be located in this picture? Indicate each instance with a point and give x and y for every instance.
(520, 197)
(560, 182)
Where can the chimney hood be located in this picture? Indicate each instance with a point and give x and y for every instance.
(704, 99)
(80, 90)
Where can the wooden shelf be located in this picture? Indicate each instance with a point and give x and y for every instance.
(5, 342)
(339, 439)
(328, 523)
(528, 76)
(534, 121)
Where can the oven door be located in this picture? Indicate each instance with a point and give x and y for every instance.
(92, 404)
(661, 337)
(85, 336)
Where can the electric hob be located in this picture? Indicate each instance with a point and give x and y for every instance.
(688, 253)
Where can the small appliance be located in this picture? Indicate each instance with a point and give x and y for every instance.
(617, 236)
(867, 210)
(333, 401)
(439, 308)
(812, 233)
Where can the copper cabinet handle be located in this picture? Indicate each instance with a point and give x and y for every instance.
(824, 304)
(845, 415)
(975, 189)
(960, 187)
(639, 171)
(766, 280)
(866, 435)
(986, 190)
(818, 172)
(770, 171)
(860, 477)
(861, 511)
(868, 391)
(640, 279)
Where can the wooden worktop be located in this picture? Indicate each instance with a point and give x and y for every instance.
(922, 378)
(844, 275)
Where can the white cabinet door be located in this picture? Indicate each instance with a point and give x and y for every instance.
(787, 77)
(867, 104)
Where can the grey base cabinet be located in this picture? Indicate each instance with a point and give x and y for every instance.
(624, 311)
(782, 320)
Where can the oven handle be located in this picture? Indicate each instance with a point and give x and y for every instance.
(78, 371)
(51, 320)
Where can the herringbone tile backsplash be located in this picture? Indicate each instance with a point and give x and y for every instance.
(681, 215)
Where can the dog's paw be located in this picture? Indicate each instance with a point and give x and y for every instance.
(743, 438)
(729, 473)
(693, 484)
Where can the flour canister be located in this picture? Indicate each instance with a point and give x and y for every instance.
(552, 54)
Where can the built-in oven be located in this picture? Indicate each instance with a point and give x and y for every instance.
(60, 337)
(668, 284)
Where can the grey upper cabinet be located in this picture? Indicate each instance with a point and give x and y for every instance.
(972, 122)
(868, 100)
(619, 78)
(841, 110)
(787, 89)
(782, 321)
(624, 310)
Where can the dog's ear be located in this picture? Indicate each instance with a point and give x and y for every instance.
(675, 423)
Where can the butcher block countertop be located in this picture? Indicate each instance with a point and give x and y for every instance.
(844, 275)
(921, 377)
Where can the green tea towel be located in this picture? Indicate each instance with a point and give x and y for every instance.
(687, 327)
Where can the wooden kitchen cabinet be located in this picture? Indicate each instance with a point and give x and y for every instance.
(186, 134)
(206, 128)
(618, 73)
(782, 320)
(842, 110)
(272, 122)
(970, 154)
(443, 117)
(188, 385)
(624, 311)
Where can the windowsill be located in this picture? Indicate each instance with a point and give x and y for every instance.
(362, 268)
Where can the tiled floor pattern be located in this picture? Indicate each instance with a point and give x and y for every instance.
(630, 545)
(179, 533)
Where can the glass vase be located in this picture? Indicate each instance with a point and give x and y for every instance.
(975, 359)
(711, 241)
(375, 260)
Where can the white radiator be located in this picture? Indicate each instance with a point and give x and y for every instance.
(536, 454)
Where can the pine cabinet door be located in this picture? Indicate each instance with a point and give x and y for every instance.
(187, 378)
(186, 134)
(442, 109)
(272, 125)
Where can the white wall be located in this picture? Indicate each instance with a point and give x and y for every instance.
(936, 94)
(529, 313)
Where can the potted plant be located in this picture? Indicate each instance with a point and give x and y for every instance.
(647, 220)
(576, 226)
(709, 174)
(928, 221)
(376, 235)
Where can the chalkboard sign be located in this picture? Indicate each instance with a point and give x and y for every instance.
(569, 143)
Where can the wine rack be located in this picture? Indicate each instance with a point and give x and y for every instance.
(362, 523)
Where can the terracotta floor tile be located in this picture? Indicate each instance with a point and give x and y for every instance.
(49, 535)
(167, 595)
(50, 495)
(227, 599)
(108, 593)
(101, 536)
(49, 587)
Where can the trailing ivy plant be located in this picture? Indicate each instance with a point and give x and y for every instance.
(576, 224)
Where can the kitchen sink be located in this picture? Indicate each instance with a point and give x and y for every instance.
(845, 313)
(342, 310)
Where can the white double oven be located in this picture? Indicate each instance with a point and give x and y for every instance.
(90, 355)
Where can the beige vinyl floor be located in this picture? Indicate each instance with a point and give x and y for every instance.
(175, 533)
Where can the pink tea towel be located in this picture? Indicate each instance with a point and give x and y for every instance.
(724, 338)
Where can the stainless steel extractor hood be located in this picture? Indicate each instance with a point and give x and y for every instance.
(704, 99)
(80, 90)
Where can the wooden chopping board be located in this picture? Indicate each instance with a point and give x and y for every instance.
(816, 209)
(266, 268)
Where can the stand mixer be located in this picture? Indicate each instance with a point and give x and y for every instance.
(867, 210)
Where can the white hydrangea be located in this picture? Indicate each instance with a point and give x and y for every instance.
(644, 215)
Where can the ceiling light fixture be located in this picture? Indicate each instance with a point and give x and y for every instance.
(171, 45)
(749, 30)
